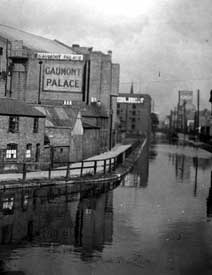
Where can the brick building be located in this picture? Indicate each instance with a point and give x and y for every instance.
(134, 111)
(43, 71)
(22, 134)
(68, 134)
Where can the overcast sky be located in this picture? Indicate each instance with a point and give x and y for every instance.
(162, 45)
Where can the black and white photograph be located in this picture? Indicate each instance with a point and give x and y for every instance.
(105, 137)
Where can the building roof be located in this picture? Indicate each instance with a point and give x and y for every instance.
(87, 125)
(32, 41)
(77, 48)
(94, 110)
(134, 95)
(14, 107)
(59, 116)
(66, 115)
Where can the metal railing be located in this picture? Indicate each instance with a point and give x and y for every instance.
(72, 169)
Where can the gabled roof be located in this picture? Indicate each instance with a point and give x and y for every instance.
(59, 116)
(66, 115)
(32, 41)
(14, 107)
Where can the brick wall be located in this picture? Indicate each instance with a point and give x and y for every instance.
(2, 68)
(25, 84)
(23, 137)
(91, 142)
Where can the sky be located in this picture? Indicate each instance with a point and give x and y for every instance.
(162, 46)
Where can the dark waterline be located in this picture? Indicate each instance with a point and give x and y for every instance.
(158, 221)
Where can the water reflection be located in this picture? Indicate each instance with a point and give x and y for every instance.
(209, 201)
(140, 173)
(53, 215)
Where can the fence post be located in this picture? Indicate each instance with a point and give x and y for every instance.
(95, 166)
(68, 171)
(24, 171)
(81, 170)
(110, 168)
(105, 166)
(49, 174)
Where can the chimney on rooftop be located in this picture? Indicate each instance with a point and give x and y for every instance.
(109, 52)
(75, 46)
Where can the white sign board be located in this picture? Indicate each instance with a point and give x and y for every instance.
(62, 76)
(123, 99)
(59, 56)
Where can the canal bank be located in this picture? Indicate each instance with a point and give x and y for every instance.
(108, 167)
(157, 225)
(196, 143)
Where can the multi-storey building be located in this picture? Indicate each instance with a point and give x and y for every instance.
(134, 111)
(22, 134)
(44, 72)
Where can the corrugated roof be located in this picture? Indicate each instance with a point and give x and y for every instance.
(66, 115)
(32, 41)
(59, 116)
(18, 108)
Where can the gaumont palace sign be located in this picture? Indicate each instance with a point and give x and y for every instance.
(62, 72)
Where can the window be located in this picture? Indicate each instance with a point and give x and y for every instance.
(133, 126)
(134, 113)
(37, 152)
(133, 119)
(13, 124)
(28, 151)
(118, 112)
(8, 205)
(134, 106)
(35, 125)
(11, 152)
(118, 105)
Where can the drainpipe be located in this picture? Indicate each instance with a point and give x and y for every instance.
(39, 88)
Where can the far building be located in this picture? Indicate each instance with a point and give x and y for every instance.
(134, 113)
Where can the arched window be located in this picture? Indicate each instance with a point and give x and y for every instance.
(11, 152)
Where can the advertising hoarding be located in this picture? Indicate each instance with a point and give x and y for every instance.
(62, 76)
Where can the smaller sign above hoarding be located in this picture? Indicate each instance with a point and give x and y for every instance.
(59, 56)
(185, 97)
(123, 99)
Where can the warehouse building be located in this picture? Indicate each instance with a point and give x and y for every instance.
(134, 113)
(44, 72)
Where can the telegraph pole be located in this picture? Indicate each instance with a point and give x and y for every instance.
(198, 103)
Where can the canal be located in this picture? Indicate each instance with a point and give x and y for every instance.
(157, 221)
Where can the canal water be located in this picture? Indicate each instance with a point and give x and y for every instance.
(158, 221)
